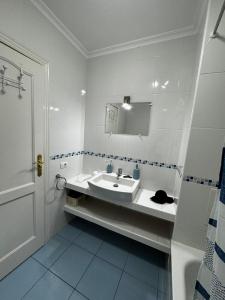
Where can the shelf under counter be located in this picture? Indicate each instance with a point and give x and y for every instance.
(142, 202)
(135, 225)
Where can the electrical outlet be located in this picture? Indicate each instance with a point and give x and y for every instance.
(63, 164)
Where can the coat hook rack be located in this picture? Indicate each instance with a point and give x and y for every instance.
(6, 81)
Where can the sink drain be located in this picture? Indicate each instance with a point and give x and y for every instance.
(116, 185)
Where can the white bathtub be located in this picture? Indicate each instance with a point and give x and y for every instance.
(185, 265)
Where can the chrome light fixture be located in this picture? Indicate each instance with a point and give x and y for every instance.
(126, 103)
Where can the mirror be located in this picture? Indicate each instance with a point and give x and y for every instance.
(133, 121)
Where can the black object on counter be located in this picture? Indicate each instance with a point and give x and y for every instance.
(127, 176)
(162, 198)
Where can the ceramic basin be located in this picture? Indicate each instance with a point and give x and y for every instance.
(107, 186)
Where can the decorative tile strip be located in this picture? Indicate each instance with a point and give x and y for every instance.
(193, 179)
(62, 155)
(199, 180)
(116, 157)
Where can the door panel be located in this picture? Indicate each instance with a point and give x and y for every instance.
(21, 140)
(19, 211)
(16, 134)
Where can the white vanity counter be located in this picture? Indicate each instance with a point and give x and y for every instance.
(141, 219)
(141, 202)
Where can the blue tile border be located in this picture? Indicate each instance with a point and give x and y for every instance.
(116, 157)
(202, 181)
(186, 178)
(69, 154)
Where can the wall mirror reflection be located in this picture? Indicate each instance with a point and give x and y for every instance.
(126, 118)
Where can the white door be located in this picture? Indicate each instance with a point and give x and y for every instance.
(21, 140)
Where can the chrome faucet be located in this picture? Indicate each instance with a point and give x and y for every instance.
(119, 173)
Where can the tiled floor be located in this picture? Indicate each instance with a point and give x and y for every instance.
(85, 261)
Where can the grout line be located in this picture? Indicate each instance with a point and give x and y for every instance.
(118, 285)
(108, 262)
(47, 268)
(35, 284)
(68, 239)
(85, 271)
(78, 293)
(70, 295)
(121, 275)
(81, 247)
(95, 255)
(214, 72)
(140, 280)
(56, 275)
(60, 255)
(51, 271)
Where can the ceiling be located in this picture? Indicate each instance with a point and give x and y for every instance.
(98, 24)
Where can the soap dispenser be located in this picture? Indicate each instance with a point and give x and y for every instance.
(109, 167)
(136, 172)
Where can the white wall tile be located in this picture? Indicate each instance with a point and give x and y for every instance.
(214, 54)
(116, 144)
(169, 110)
(159, 144)
(206, 139)
(132, 73)
(210, 104)
(95, 139)
(91, 164)
(192, 215)
(204, 153)
(155, 178)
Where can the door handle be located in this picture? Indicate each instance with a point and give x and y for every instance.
(39, 163)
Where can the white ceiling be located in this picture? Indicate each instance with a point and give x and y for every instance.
(99, 24)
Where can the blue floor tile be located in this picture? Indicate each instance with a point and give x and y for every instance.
(100, 281)
(72, 264)
(98, 231)
(49, 287)
(150, 254)
(81, 224)
(143, 269)
(131, 288)
(49, 253)
(162, 296)
(77, 296)
(16, 284)
(89, 242)
(117, 239)
(71, 257)
(69, 233)
(114, 254)
(164, 280)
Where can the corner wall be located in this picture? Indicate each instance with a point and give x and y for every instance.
(207, 138)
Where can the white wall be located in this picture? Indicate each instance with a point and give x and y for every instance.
(133, 73)
(207, 137)
(190, 107)
(21, 21)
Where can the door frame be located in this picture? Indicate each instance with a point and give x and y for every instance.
(4, 39)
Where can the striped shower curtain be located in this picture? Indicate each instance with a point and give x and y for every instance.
(210, 283)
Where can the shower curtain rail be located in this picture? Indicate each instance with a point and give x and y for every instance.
(214, 33)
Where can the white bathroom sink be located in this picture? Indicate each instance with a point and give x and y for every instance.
(109, 187)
